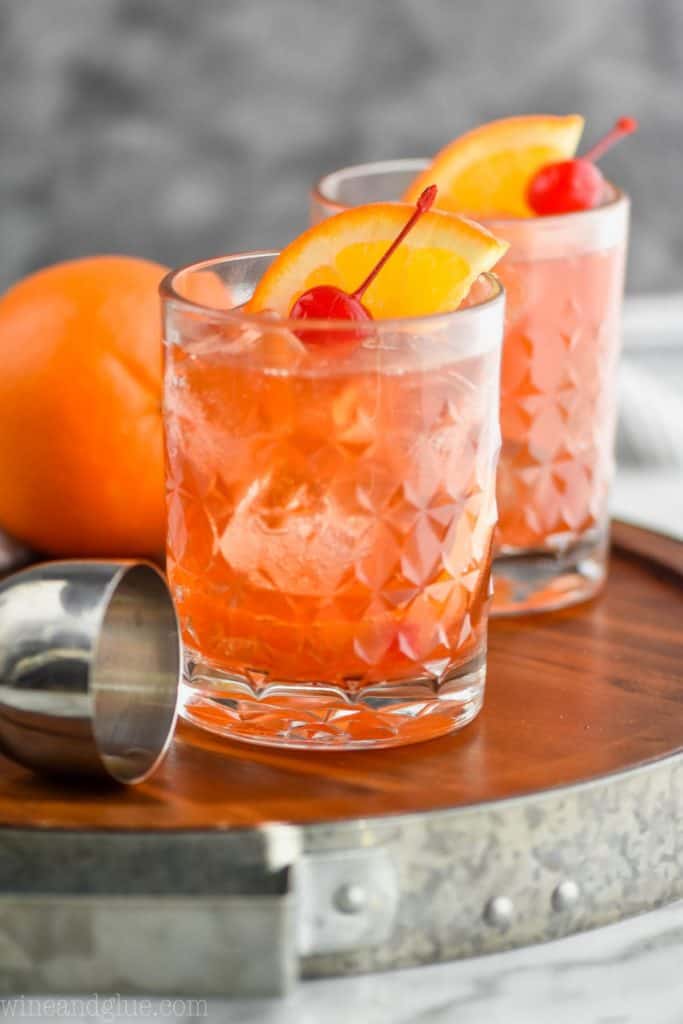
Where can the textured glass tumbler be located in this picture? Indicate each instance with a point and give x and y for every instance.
(331, 509)
(564, 279)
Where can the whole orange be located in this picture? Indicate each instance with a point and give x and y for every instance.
(81, 451)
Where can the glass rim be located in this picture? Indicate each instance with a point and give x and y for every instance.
(238, 314)
(398, 164)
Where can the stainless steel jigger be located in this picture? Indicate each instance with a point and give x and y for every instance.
(89, 668)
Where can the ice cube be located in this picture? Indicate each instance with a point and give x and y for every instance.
(280, 348)
(288, 533)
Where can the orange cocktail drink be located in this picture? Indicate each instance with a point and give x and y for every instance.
(330, 513)
(563, 275)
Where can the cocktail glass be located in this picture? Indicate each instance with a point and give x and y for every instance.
(331, 508)
(563, 277)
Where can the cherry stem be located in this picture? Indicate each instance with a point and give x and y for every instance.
(423, 204)
(624, 126)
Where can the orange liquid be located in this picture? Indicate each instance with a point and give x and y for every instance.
(558, 396)
(330, 528)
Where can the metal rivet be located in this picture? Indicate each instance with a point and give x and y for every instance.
(566, 895)
(350, 898)
(499, 911)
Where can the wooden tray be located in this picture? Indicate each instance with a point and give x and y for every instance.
(558, 809)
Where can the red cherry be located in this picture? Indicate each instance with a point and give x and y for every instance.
(565, 187)
(575, 184)
(326, 302)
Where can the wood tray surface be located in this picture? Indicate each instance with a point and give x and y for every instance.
(572, 695)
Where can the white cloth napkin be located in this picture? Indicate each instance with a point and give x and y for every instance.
(648, 488)
(650, 424)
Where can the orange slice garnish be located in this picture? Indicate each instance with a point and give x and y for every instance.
(431, 272)
(486, 172)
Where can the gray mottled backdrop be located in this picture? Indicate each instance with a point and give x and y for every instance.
(178, 129)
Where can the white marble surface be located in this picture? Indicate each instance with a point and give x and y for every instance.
(629, 973)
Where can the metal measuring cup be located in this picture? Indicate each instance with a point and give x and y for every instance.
(89, 668)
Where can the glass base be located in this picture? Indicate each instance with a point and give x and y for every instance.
(541, 581)
(321, 717)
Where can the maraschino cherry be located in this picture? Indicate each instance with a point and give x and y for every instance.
(327, 302)
(576, 184)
